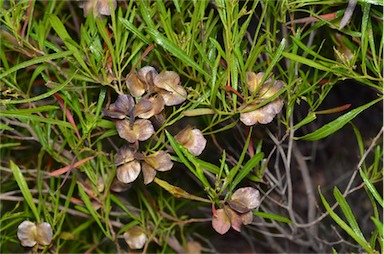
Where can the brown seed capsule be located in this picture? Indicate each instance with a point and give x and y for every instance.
(135, 85)
(253, 80)
(123, 104)
(124, 155)
(172, 92)
(147, 75)
(98, 7)
(31, 234)
(192, 139)
(135, 237)
(245, 199)
(269, 89)
(262, 115)
(234, 217)
(141, 130)
(128, 172)
(149, 173)
(148, 107)
(160, 161)
(221, 222)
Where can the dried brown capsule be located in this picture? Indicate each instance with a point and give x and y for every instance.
(244, 199)
(122, 107)
(192, 139)
(148, 107)
(172, 92)
(141, 130)
(135, 237)
(253, 80)
(159, 161)
(237, 211)
(31, 234)
(128, 172)
(98, 7)
(147, 74)
(135, 85)
(262, 115)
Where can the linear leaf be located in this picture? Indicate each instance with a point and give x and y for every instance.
(34, 61)
(90, 208)
(24, 189)
(247, 168)
(42, 96)
(348, 213)
(344, 225)
(271, 216)
(174, 49)
(35, 118)
(130, 27)
(337, 124)
(372, 188)
(306, 61)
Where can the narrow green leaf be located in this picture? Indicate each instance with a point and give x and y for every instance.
(372, 188)
(186, 157)
(29, 110)
(208, 166)
(379, 225)
(61, 31)
(174, 50)
(36, 60)
(337, 124)
(5, 127)
(274, 217)
(5, 145)
(348, 213)
(344, 226)
(130, 27)
(274, 61)
(90, 208)
(375, 2)
(306, 61)
(24, 189)
(309, 118)
(42, 96)
(248, 167)
(36, 118)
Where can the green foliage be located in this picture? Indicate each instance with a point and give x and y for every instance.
(61, 70)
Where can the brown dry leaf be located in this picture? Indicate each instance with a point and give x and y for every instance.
(220, 222)
(128, 172)
(135, 237)
(192, 139)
